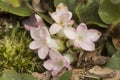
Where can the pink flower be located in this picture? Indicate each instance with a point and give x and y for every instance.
(56, 62)
(62, 18)
(39, 35)
(43, 42)
(83, 37)
(33, 21)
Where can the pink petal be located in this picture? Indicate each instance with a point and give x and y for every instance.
(35, 33)
(70, 23)
(69, 15)
(86, 45)
(67, 65)
(48, 65)
(70, 33)
(66, 17)
(61, 8)
(59, 63)
(43, 52)
(39, 20)
(54, 54)
(43, 31)
(35, 45)
(56, 17)
(82, 27)
(56, 70)
(82, 30)
(67, 62)
(93, 34)
(55, 28)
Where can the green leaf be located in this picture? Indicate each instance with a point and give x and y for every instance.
(115, 1)
(66, 75)
(68, 3)
(20, 11)
(13, 75)
(46, 18)
(88, 13)
(109, 12)
(114, 61)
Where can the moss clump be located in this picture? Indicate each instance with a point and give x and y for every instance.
(15, 52)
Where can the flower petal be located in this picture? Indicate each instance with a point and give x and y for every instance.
(82, 27)
(43, 52)
(55, 28)
(43, 31)
(48, 64)
(70, 23)
(66, 17)
(82, 31)
(35, 45)
(39, 20)
(27, 27)
(93, 34)
(66, 59)
(69, 15)
(35, 33)
(86, 45)
(67, 65)
(56, 70)
(56, 17)
(54, 55)
(61, 8)
(70, 33)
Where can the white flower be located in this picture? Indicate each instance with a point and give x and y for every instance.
(56, 62)
(43, 42)
(83, 38)
(39, 35)
(62, 18)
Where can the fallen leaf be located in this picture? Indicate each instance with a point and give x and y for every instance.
(95, 59)
(77, 74)
(42, 76)
(117, 77)
(116, 42)
(102, 72)
(99, 60)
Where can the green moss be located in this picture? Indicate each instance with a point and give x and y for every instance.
(15, 52)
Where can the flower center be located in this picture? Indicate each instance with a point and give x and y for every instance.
(44, 42)
(79, 38)
(59, 63)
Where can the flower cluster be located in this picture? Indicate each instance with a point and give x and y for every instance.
(50, 47)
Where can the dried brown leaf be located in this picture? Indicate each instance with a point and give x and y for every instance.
(77, 74)
(99, 60)
(117, 77)
(42, 76)
(116, 42)
(102, 72)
